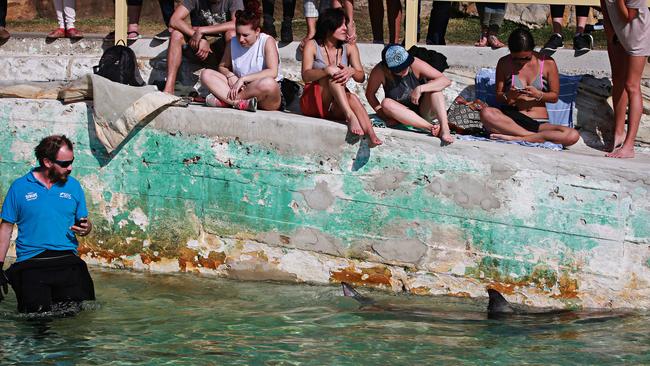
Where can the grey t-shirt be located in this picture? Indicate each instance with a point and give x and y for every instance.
(211, 12)
(635, 35)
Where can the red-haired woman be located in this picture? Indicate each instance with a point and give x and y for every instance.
(248, 73)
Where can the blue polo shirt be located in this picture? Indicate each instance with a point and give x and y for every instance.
(44, 216)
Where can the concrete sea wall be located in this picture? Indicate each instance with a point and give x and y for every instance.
(275, 196)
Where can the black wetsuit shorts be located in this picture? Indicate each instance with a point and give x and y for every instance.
(50, 278)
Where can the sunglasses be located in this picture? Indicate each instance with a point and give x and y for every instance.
(63, 163)
(527, 58)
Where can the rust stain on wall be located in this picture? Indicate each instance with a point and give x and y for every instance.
(213, 261)
(504, 288)
(568, 288)
(372, 276)
(187, 256)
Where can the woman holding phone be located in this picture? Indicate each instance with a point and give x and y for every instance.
(525, 82)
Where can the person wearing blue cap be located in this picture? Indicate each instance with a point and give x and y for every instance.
(413, 92)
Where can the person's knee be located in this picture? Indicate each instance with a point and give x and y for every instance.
(207, 75)
(487, 115)
(633, 87)
(176, 36)
(572, 137)
(388, 104)
(267, 85)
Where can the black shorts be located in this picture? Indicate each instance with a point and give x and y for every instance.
(523, 120)
(217, 46)
(50, 278)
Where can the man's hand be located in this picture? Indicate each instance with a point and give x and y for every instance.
(82, 227)
(4, 282)
(196, 39)
(343, 74)
(204, 49)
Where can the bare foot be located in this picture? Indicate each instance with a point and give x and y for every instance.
(618, 142)
(446, 136)
(354, 126)
(374, 140)
(435, 130)
(623, 152)
(498, 136)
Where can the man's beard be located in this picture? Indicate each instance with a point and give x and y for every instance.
(56, 177)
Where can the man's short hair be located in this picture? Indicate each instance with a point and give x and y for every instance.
(49, 147)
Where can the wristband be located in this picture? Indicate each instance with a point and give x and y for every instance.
(541, 95)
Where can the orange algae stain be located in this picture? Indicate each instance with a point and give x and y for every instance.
(213, 261)
(460, 294)
(363, 276)
(147, 258)
(568, 288)
(421, 290)
(504, 288)
(187, 258)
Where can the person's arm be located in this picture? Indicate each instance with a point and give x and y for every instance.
(375, 80)
(225, 66)
(437, 81)
(355, 70)
(228, 26)
(508, 97)
(5, 237)
(177, 21)
(308, 73)
(627, 14)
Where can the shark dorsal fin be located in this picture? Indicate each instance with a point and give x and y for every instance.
(349, 291)
(498, 304)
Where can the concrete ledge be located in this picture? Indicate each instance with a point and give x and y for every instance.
(284, 197)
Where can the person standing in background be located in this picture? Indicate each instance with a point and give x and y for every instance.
(394, 10)
(4, 34)
(491, 15)
(627, 27)
(438, 21)
(65, 15)
(581, 41)
(286, 29)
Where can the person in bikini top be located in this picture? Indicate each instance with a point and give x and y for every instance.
(523, 115)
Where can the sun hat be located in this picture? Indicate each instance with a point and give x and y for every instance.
(396, 58)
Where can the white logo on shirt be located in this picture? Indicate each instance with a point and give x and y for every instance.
(31, 196)
(65, 195)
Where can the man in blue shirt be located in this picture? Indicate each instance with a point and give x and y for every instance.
(49, 208)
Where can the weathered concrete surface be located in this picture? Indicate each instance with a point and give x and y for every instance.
(276, 196)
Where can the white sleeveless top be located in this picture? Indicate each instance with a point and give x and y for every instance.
(246, 61)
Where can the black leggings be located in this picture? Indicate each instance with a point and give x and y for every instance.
(3, 13)
(557, 11)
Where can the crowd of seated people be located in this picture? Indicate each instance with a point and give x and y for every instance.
(248, 74)
(242, 66)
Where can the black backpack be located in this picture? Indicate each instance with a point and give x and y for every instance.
(436, 59)
(118, 64)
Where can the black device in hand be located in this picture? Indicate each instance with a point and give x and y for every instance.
(80, 221)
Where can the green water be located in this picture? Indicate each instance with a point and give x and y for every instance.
(188, 320)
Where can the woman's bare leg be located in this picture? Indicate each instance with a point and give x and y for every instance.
(267, 92)
(432, 105)
(364, 119)
(336, 95)
(635, 65)
(618, 62)
(502, 127)
(402, 114)
(217, 83)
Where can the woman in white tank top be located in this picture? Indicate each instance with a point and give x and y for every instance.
(248, 74)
